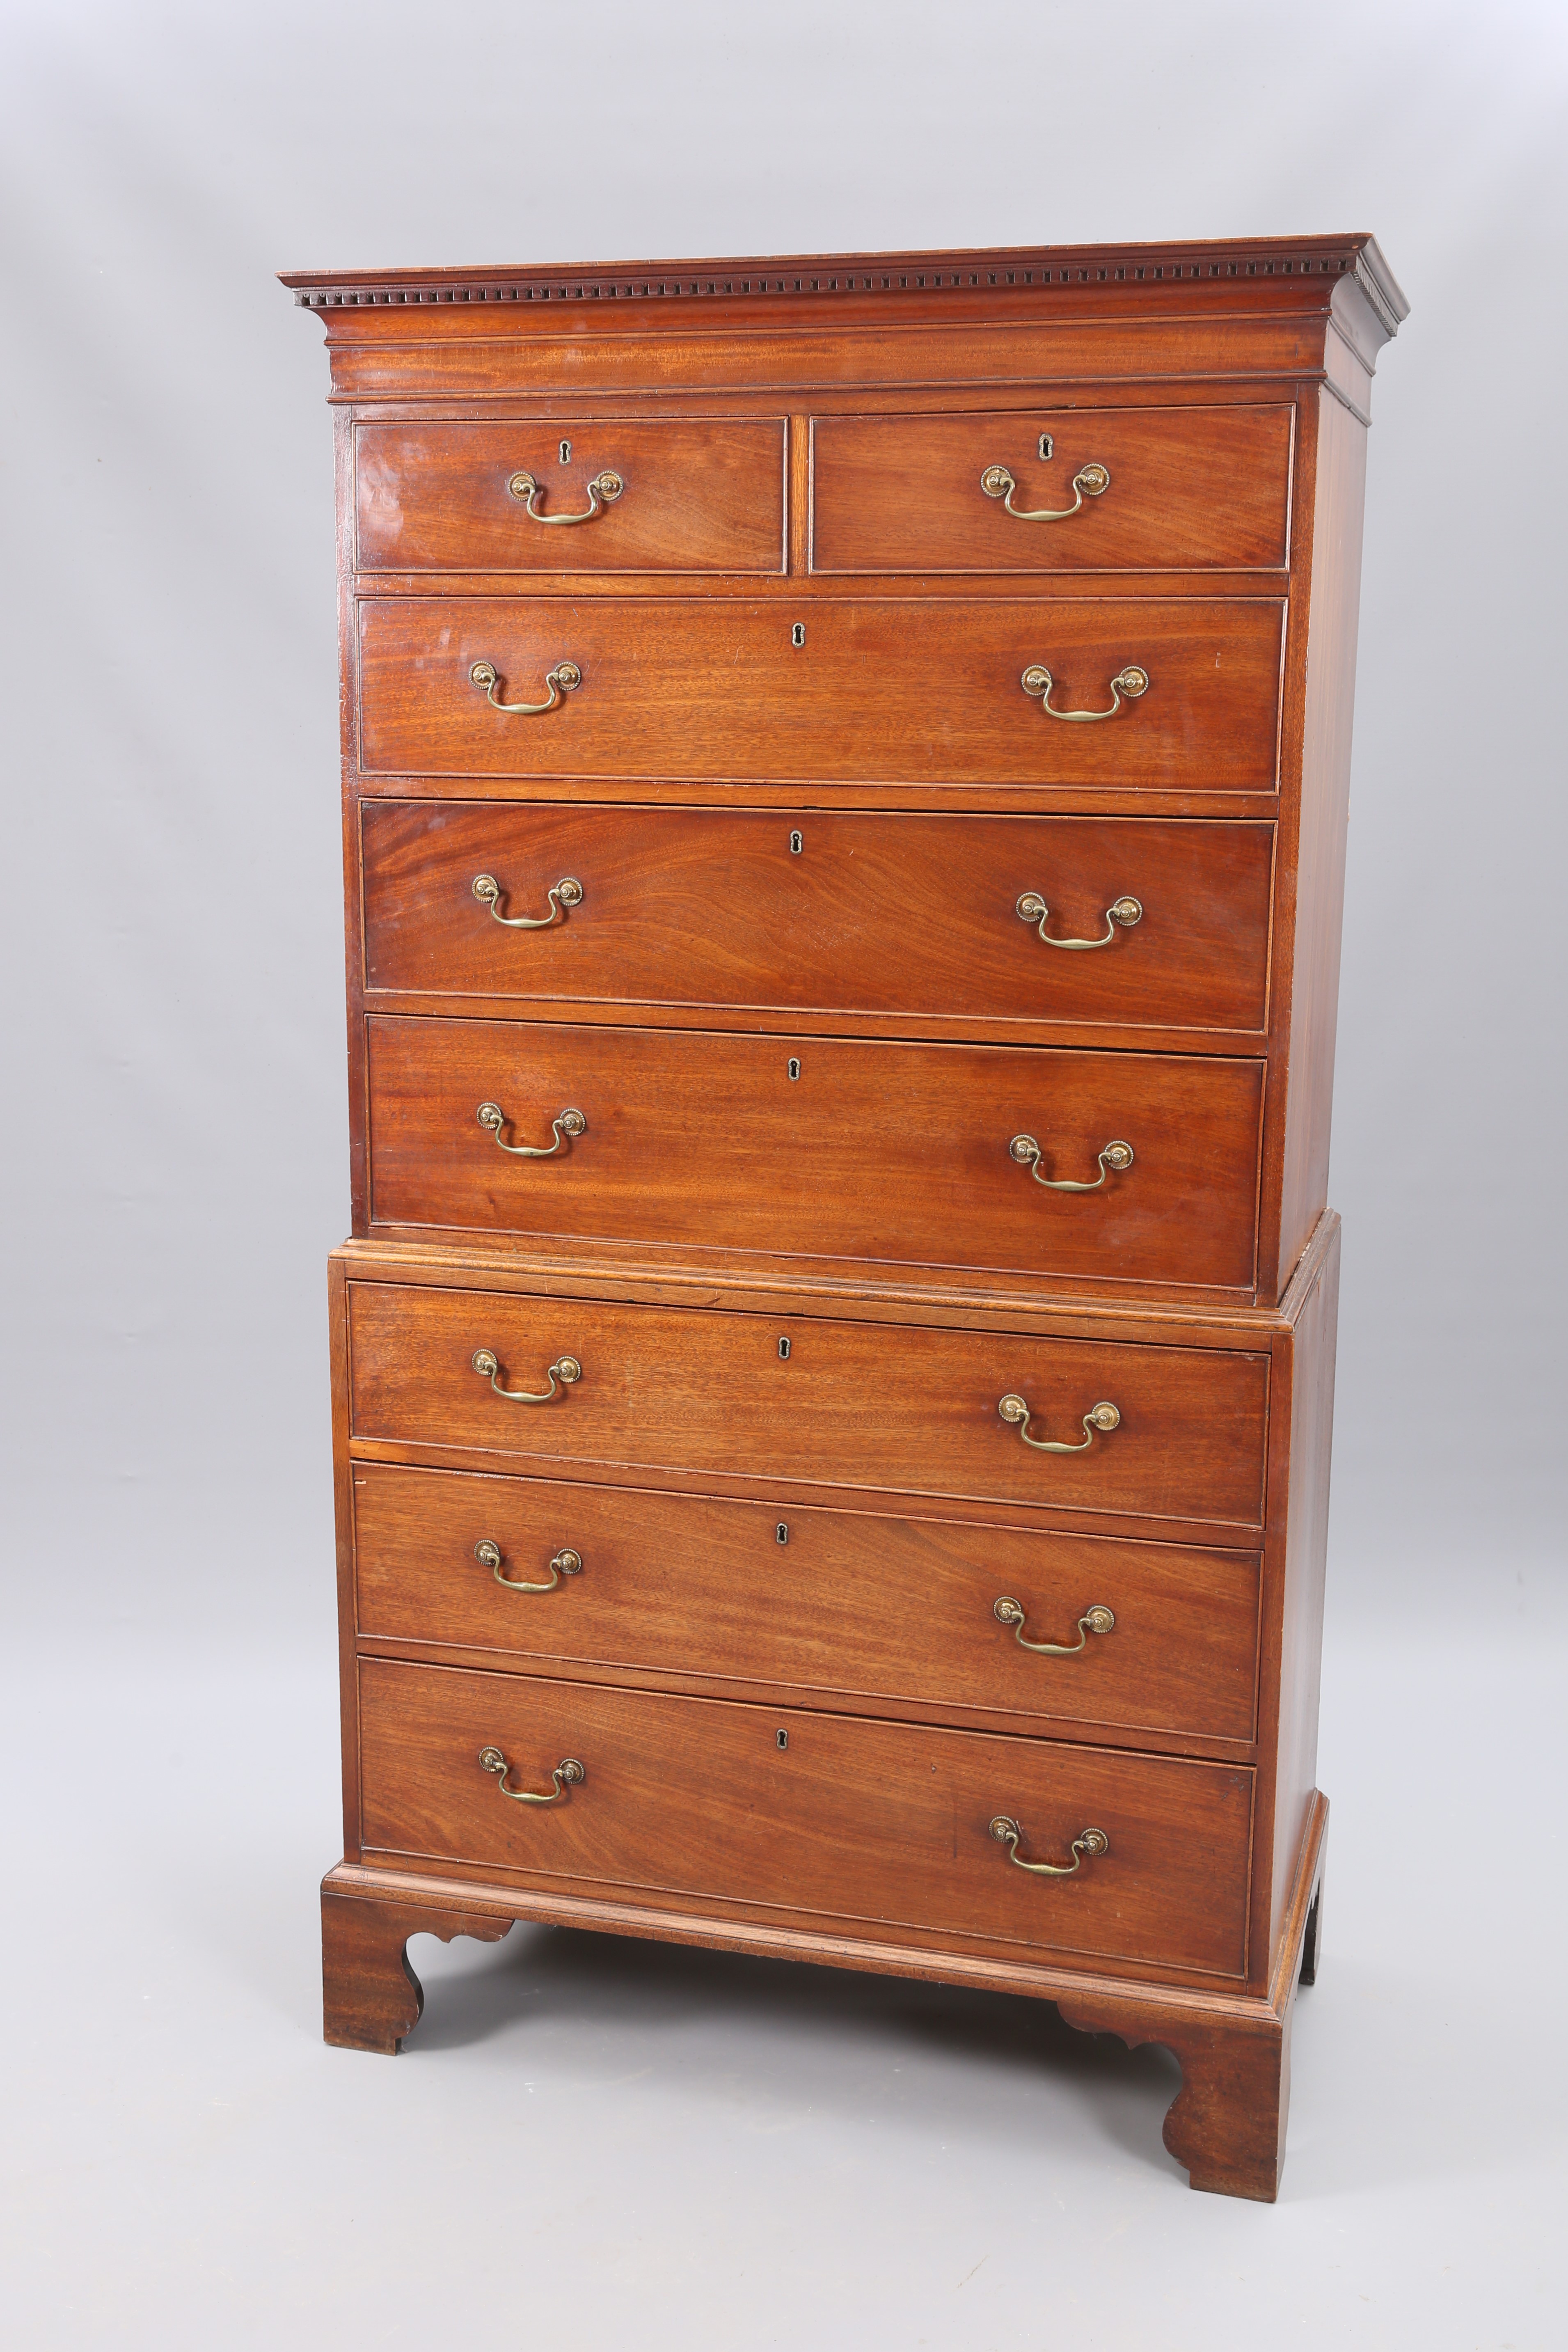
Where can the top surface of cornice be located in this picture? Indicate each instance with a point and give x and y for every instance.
(1236, 261)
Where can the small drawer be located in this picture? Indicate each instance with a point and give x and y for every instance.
(873, 692)
(878, 1825)
(693, 494)
(903, 1409)
(788, 1145)
(802, 910)
(1068, 489)
(851, 1606)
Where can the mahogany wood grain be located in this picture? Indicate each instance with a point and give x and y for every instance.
(785, 1144)
(880, 1823)
(377, 358)
(701, 494)
(372, 1998)
(700, 688)
(1315, 884)
(1226, 2123)
(1308, 1397)
(905, 1410)
(914, 918)
(873, 1608)
(1190, 489)
(1228, 389)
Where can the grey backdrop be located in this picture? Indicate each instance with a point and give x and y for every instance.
(176, 1169)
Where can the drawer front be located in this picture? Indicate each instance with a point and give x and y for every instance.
(902, 1409)
(697, 494)
(883, 1826)
(879, 692)
(1188, 490)
(821, 1147)
(860, 1605)
(802, 911)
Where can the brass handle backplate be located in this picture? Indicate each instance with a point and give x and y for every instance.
(565, 1563)
(1016, 1413)
(567, 1124)
(567, 892)
(1121, 913)
(559, 680)
(1090, 481)
(567, 1773)
(1130, 682)
(563, 1371)
(1098, 1620)
(1007, 1833)
(1028, 1153)
(602, 491)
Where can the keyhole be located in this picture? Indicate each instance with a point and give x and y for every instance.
(797, 634)
(796, 843)
(783, 1351)
(781, 1533)
(794, 1068)
(1047, 445)
(566, 452)
(783, 1738)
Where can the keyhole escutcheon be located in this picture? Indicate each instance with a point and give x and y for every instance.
(566, 452)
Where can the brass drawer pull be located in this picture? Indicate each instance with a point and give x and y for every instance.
(1028, 1153)
(565, 1369)
(1008, 1612)
(1032, 908)
(567, 892)
(565, 1563)
(559, 680)
(570, 1123)
(1014, 1411)
(602, 490)
(566, 1773)
(1130, 682)
(1090, 481)
(1007, 1831)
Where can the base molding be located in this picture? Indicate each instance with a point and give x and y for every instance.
(1226, 2125)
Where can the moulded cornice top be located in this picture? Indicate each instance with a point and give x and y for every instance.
(1235, 261)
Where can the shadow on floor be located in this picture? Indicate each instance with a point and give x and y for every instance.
(847, 2031)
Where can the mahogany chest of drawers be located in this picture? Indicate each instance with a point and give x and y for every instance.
(844, 769)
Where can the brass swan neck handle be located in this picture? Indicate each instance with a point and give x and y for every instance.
(1017, 1413)
(564, 1369)
(1098, 1620)
(567, 1774)
(1090, 481)
(566, 1562)
(561, 680)
(602, 491)
(567, 892)
(562, 1128)
(1130, 682)
(1009, 1831)
(1028, 1153)
(1121, 914)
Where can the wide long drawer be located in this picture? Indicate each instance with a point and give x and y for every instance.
(901, 1408)
(820, 1146)
(879, 1825)
(859, 692)
(1065, 490)
(860, 1605)
(802, 910)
